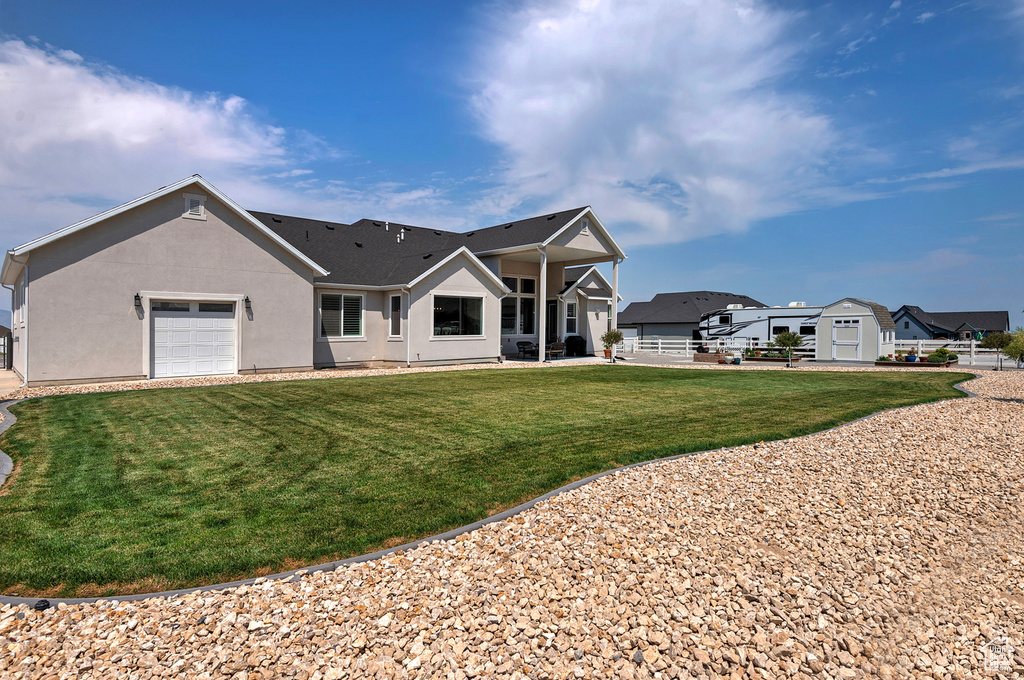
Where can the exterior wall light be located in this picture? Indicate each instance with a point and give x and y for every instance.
(248, 304)
(138, 301)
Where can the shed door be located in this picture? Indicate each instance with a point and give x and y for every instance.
(192, 338)
(846, 339)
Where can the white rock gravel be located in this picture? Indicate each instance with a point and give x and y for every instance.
(888, 548)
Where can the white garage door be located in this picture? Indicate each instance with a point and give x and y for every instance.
(193, 338)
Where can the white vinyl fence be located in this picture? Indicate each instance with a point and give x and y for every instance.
(689, 347)
(969, 351)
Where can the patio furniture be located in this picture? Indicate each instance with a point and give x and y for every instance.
(557, 349)
(526, 349)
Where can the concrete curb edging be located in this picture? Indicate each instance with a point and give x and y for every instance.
(9, 420)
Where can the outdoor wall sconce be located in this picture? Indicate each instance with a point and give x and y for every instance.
(138, 301)
(248, 304)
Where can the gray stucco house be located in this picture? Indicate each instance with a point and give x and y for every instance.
(184, 282)
(913, 323)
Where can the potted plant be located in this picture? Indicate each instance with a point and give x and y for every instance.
(609, 340)
(912, 355)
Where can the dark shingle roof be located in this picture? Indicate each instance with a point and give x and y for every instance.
(951, 321)
(520, 233)
(366, 253)
(595, 292)
(681, 307)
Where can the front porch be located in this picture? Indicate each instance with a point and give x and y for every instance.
(557, 292)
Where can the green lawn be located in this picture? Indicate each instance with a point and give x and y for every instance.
(177, 487)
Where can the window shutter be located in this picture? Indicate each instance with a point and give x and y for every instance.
(352, 318)
(330, 316)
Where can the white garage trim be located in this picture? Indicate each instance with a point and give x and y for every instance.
(147, 327)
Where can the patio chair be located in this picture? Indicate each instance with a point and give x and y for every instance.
(557, 349)
(526, 348)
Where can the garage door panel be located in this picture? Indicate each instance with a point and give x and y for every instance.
(190, 342)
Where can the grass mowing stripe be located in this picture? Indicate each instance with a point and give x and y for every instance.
(190, 486)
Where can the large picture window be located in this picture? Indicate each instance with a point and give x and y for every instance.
(341, 316)
(519, 308)
(458, 315)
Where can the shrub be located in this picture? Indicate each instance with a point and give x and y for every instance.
(882, 357)
(1015, 348)
(997, 340)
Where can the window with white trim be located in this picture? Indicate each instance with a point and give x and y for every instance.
(570, 317)
(458, 315)
(519, 307)
(396, 316)
(341, 316)
(195, 207)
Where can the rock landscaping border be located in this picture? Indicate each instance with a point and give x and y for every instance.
(9, 419)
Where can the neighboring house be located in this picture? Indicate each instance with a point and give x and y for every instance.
(854, 329)
(913, 323)
(183, 282)
(676, 316)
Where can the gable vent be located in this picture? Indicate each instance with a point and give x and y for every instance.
(276, 219)
(195, 207)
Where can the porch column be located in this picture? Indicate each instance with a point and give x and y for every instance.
(542, 306)
(615, 293)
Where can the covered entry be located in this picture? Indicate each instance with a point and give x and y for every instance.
(192, 338)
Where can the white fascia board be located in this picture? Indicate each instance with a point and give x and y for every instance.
(8, 273)
(593, 270)
(170, 188)
(596, 222)
(358, 286)
(530, 247)
(472, 258)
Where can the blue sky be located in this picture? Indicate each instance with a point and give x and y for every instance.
(784, 150)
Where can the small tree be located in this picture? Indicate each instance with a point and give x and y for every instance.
(790, 341)
(610, 339)
(1015, 348)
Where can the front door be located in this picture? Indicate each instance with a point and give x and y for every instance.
(551, 322)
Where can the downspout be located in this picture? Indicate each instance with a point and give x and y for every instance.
(408, 326)
(24, 319)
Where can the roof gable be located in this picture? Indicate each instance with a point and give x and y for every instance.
(194, 180)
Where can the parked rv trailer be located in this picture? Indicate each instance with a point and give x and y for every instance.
(760, 324)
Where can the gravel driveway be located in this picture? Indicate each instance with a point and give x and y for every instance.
(889, 548)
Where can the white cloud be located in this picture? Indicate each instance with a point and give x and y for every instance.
(923, 17)
(73, 135)
(77, 138)
(896, 4)
(665, 114)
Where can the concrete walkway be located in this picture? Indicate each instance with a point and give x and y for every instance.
(9, 381)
